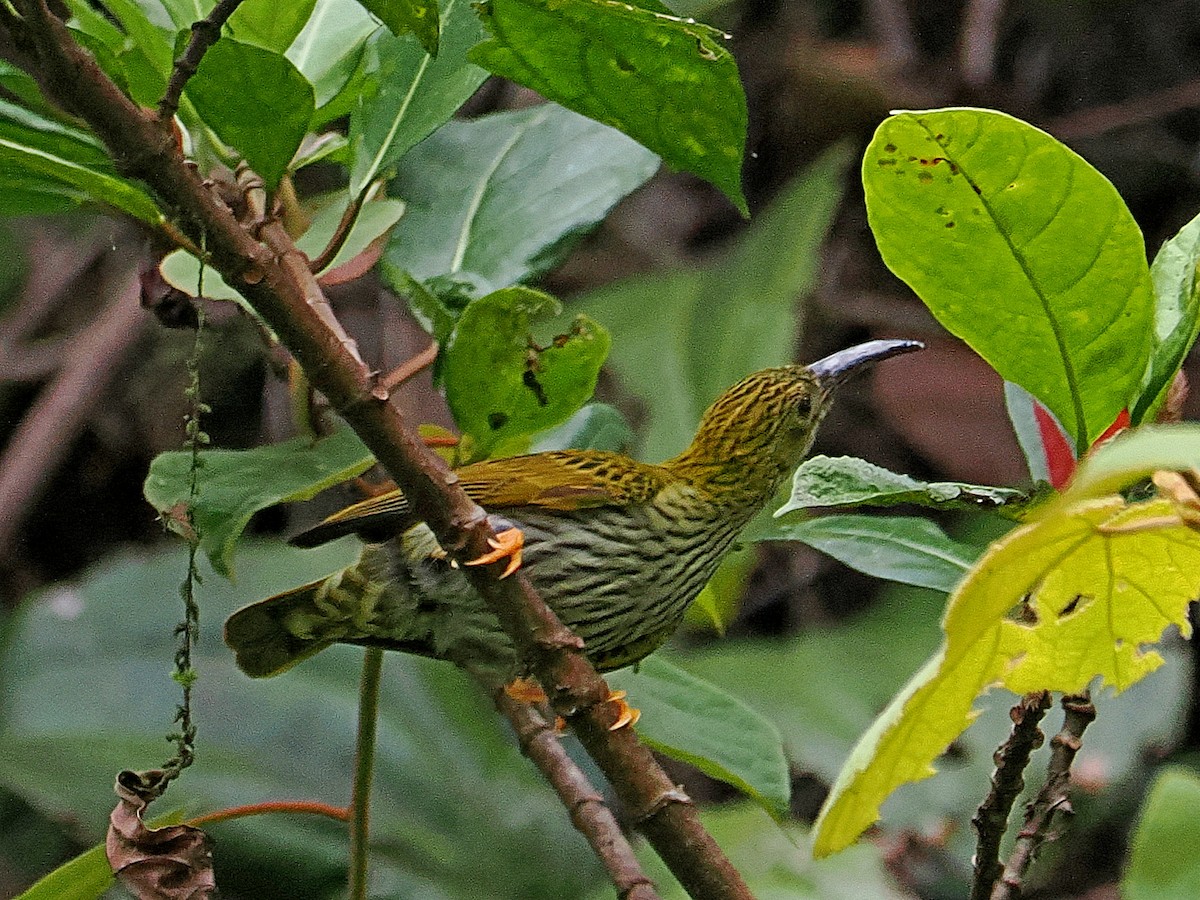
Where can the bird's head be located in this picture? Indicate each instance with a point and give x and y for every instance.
(761, 428)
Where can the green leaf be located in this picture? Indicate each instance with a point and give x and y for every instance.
(1076, 595)
(418, 92)
(270, 24)
(329, 49)
(596, 426)
(696, 722)
(238, 88)
(87, 877)
(235, 484)
(52, 161)
(1176, 316)
(373, 221)
(679, 366)
(1020, 248)
(150, 33)
(470, 206)
(842, 481)
(182, 270)
(87, 692)
(402, 16)
(1163, 864)
(1134, 455)
(500, 388)
(908, 550)
(668, 83)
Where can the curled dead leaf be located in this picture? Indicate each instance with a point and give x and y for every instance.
(171, 863)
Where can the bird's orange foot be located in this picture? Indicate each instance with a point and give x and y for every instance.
(525, 690)
(626, 714)
(505, 545)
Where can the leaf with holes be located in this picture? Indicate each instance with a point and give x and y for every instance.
(501, 386)
(1076, 595)
(1022, 249)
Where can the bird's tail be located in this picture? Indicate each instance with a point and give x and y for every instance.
(264, 636)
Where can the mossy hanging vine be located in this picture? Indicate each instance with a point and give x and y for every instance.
(188, 631)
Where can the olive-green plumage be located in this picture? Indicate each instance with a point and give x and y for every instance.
(617, 548)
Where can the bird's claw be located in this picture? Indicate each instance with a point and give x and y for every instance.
(506, 544)
(626, 714)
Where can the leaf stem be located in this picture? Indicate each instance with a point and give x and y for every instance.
(364, 765)
(296, 807)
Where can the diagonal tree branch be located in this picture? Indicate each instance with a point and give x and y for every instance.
(275, 278)
(589, 813)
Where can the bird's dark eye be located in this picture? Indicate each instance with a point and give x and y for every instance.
(804, 406)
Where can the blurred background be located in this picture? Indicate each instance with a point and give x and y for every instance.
(91, 390)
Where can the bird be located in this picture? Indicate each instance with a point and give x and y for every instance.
(617, 548)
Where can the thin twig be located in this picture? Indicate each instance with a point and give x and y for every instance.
(344, 226)
(1007, 783)
(407, 369)
(364, 767)
(205, 33)
(589, 813)
(1051, 799)
(275, 279)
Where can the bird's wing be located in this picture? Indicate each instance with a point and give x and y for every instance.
(560, 480)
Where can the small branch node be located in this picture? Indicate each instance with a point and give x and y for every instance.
(661, 802)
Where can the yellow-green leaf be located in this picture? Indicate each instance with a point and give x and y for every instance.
(1052, 605)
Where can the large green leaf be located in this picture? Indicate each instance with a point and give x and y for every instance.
(471, 207)
(268, 23)
(1176, 316)
(235, 484)
(417, 93)
(500, 387)
(694, 721)
(903, 549)
(715, 325)
(1020, 248)
(328, 50)
(88, 692)
(403, 16)
(1163, 864)
(824, 481)
(667, 82)
(238, 88)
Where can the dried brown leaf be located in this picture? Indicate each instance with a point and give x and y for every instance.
(171, 863)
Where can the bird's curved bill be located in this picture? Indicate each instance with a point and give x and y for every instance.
(837, 367)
